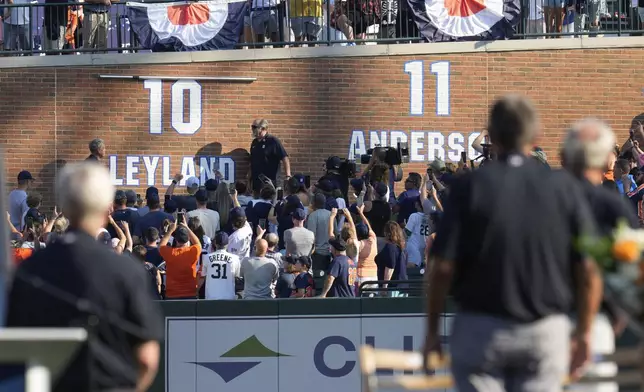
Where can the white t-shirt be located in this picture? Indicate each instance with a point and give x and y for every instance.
(420, 228)
(220, 269)
(209, 220)
(240, 240)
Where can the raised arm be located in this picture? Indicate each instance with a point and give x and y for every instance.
(334, 213)
(170, 191)
(365, 220)
(347, 214)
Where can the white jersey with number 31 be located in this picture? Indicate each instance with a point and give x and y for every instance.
(220, 269)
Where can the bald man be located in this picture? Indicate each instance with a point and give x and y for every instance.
(273, 253)
(259, 273)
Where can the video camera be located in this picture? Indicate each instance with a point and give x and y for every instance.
(345, 167)
(390, 155)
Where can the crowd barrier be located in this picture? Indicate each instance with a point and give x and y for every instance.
(616, 17)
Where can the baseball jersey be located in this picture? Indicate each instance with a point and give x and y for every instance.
(240, 240)
(220, 269)
(419, 227)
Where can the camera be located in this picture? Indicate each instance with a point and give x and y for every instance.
(390, 155)
(345, 167)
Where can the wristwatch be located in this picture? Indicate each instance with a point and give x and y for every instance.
(174, 182)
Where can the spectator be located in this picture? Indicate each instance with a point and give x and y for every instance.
(353, 17)
(296, 185)
(96, 150)
(625, 181)
(117, 357)
(55, 25)
(122, 213)
(348, 234)
(34, 200)
(264, 20)
(610, 185)
(304, 283)
(326, 188)
(554, 12)
(273, 253)
(242, 193)
(341, 277)
(417, 229)
(388, 19)
(432, 203)
(219, 271)
(259, 211)
(153, 218)
(131, 200)
(612, 159)
(285, 285)
(223, 205)
(299, 241)
(392, 259)
(148, 192)
(140, 253)
(266, 151)
(367, 270)
(95, 24)
(17, 27)
(211, 187)
(318, 223)
(151, 240)
(58, 228)
(209, 218)
(282, 216)
(184, 202)
(242, 236)
(170, 206)
(259, 272)
(18, 199)
(306, 19)
(181, 261)
(31, 236)
(535, 21)
(406, 203)
(195, 225)
(377, 210)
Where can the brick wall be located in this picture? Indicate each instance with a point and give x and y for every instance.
(313, 105)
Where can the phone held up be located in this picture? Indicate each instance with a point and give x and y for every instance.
(181, 216)
(280, 193)
(231, 188)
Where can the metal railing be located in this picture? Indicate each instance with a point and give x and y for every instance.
(32, 28)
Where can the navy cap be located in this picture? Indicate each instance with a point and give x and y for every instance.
(181, 235)
(293, 200)
(325, 185)
(119, 195)
(151, 191)
(300, 178)
(305, 261)
(362, 231)
(131, 196)
(299, 214)
(338, 244)
(357, 184)
(290, 259)
(353, 208)
(24, 175)
(170, 206)
(221, 238)
(237, 212)
(211, 185)
(153, 198)
(201, 195)
(381, 189)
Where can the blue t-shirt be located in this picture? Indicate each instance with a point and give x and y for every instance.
(284, 285)
(406, 202)
(187, 202)
(391, 256)
(257, 212)
(343, 269)
(620, 185)
(305, 281)
(151, 219)
(126, 215)
(153, 256)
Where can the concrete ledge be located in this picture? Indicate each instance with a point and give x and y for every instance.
(321, 52)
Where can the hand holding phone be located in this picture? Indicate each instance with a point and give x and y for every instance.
(231, 188)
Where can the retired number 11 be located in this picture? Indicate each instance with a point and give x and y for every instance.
(416, 71)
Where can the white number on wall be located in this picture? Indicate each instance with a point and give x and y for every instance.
(178, 102)
(415, 69)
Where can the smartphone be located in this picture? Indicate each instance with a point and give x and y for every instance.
(262, 224)
(464, 157)
(231, 188)
(181, 216)
(307, 181)
(280, 193)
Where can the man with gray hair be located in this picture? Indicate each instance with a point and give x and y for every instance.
(266, 154)
(72, 283)
(507, 249)
(96, 150)
(272, 240)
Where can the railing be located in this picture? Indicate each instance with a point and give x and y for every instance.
(34, 36)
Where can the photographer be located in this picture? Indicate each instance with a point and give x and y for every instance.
(379, 170)
(334, 174)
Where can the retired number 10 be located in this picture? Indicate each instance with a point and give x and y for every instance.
(416, 71)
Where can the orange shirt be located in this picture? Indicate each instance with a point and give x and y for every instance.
(21, 254)
(367, 267)
(609, 175)
(180, 270)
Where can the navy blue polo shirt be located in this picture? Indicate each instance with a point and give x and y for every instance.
(343, 270)
(265, 157)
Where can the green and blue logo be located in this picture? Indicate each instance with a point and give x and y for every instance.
(251, 348)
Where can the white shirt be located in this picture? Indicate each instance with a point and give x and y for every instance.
(240, 240)
(220, 269)
(420, 229)
(209, 220)
(19, 15)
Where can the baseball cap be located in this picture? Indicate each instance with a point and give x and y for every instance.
(338, 244)
(237, 212)
(24, 175)
(211, 185)
(362, 231)
(181, 235)
(293, 200)
(299, 214)
(221, 238)
(381, 189)
(325, 185)
(131, 196)
(151, 191)
(119, 196)
(305, 261)
(294, 183)
(201, 195)
(357, 184)
(192, 182)
(153, 198)
(299, 177)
